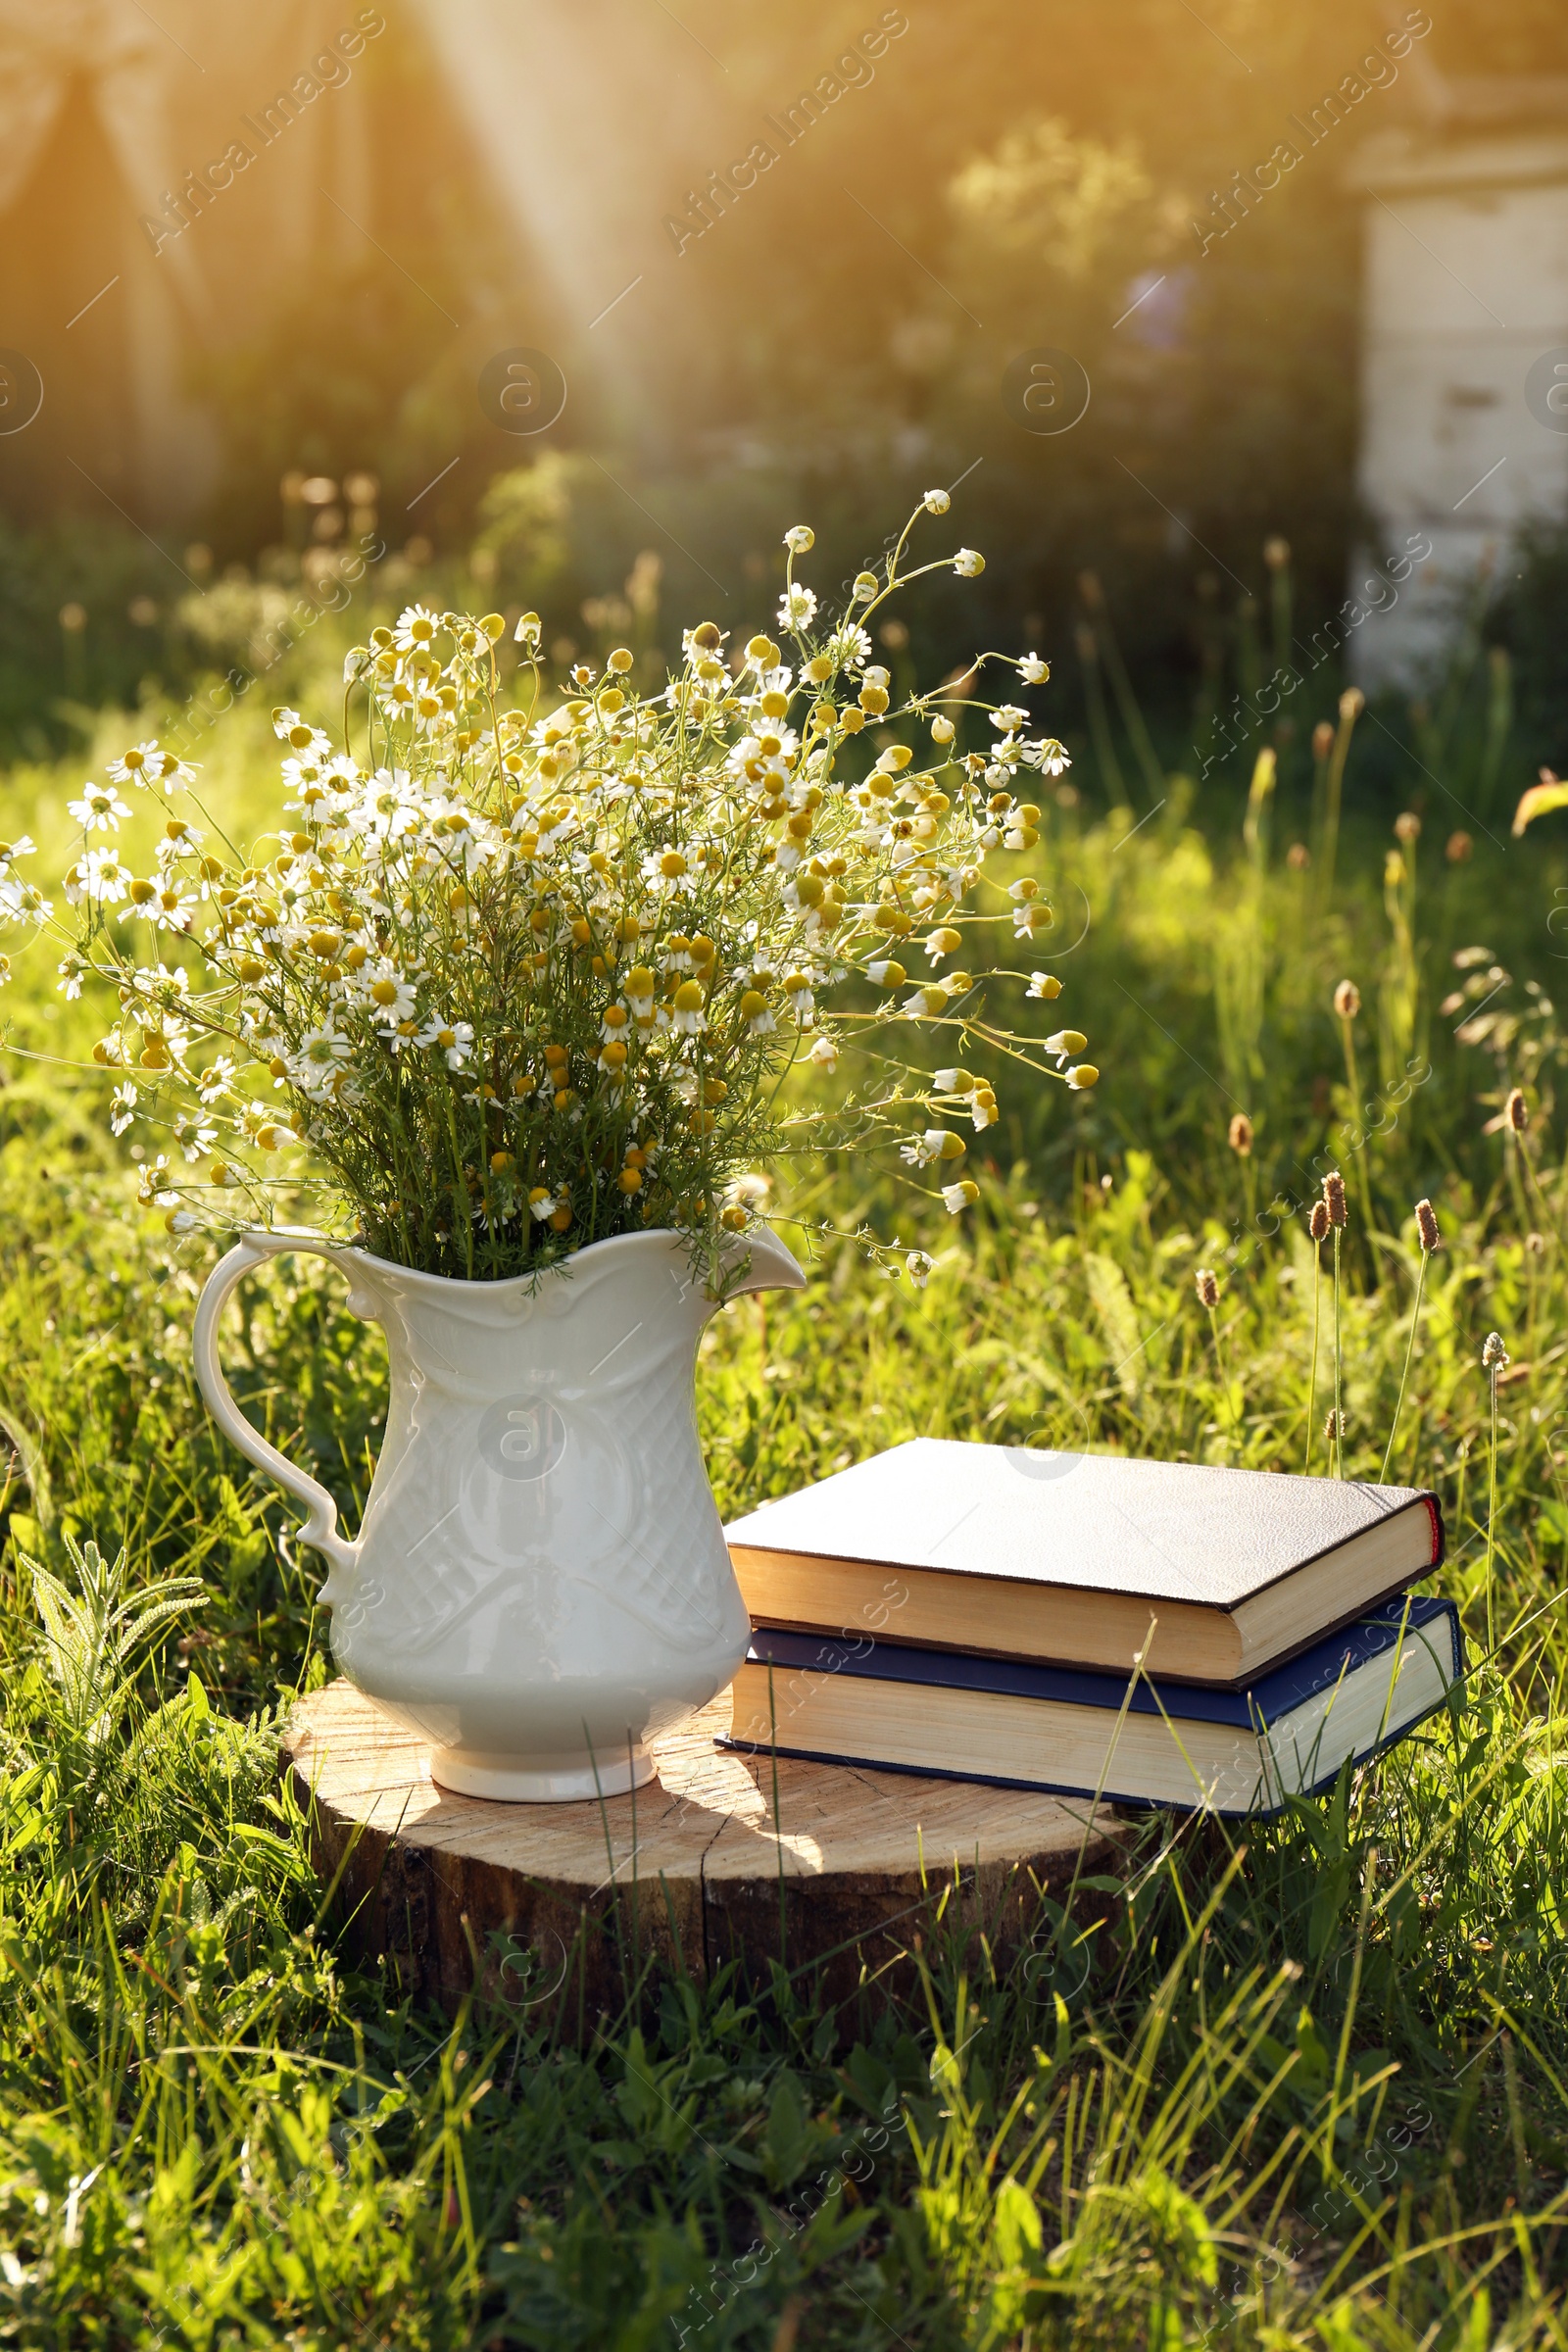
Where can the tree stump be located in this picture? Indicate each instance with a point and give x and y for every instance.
(838, 1872)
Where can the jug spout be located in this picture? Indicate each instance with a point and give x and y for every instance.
(758, 1260)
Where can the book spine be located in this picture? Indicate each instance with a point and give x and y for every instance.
(1440, 1543)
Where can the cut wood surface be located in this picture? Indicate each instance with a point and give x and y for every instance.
(723, 1856)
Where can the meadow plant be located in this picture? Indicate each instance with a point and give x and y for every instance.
(1338, 1212)
(531, 973)
(1317, 1226)
(1430, 1239)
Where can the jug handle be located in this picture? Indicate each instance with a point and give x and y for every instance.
(253, 1249)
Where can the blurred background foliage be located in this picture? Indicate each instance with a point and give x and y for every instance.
(830, 345)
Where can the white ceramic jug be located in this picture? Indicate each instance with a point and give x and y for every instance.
(540, 1584)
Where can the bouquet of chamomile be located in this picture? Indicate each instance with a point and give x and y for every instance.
(517, 973)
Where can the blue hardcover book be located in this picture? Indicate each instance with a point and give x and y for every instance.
(1018, 1723)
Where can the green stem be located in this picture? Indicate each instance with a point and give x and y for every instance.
(1357, 1114)
(1492, 1512)
(1399, 1406)
(1219, 1371)
(1331, 814)
(1513, 1148)
(1339, 1397)
(1311, 1389)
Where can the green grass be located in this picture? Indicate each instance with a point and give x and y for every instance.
(1313, 2087)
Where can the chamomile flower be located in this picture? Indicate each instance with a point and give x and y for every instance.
(797, 606)
(195, 1136)
(321, 1055)
(800, 539)
(918, 1265)
(668, 872)
(1032, 670)
(936, 501)
(638, 990)
(850, 648)
(122, 1106)
(1007, 718)
(755, 1013)
(152, 1183)
(1044, 984)
(956, 1197)
(802, 997)
(142, 764)
(72, 970)
(98, 877)
(968, 564)
(1064, 1045)
(100, 809)
(454, 1038)
(1047, 755)
(687, 1017)
(825, 1055)
(387, 994)
(415, 631)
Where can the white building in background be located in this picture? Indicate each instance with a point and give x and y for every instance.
(1464, 414)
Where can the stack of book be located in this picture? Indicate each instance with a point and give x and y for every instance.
(978, 1612)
